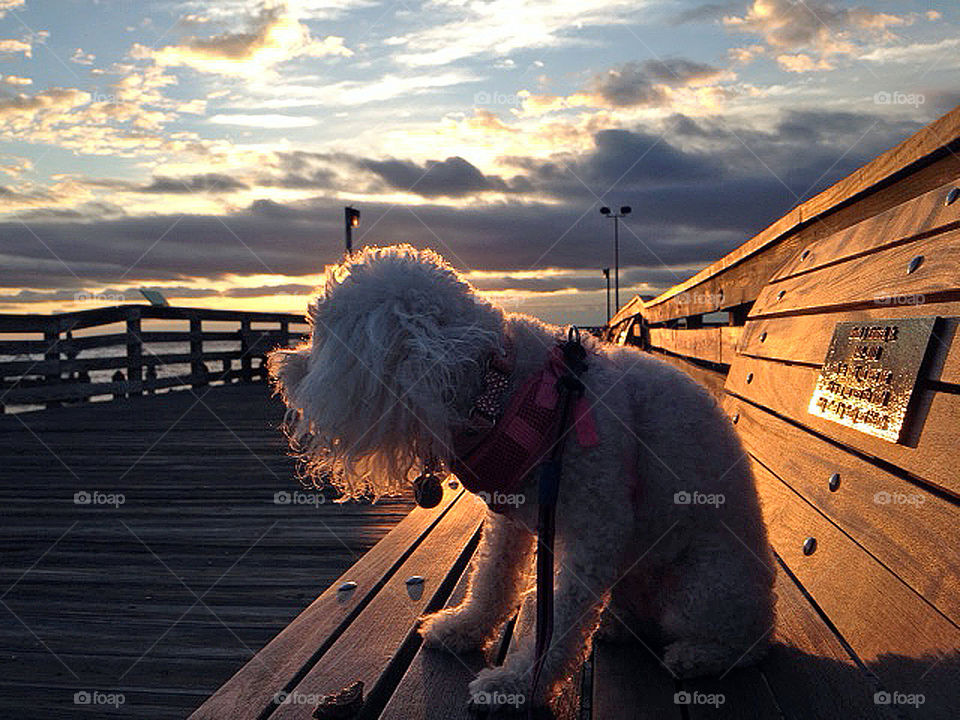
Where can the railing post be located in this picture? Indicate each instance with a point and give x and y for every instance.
(134, 353)
(51, 356)
(198, 370)
(246, 362)
(284, 333)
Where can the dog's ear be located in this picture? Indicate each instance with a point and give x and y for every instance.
(287, 369)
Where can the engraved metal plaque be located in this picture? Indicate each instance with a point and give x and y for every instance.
(869, 374)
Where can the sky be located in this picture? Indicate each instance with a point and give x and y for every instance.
(207, 149)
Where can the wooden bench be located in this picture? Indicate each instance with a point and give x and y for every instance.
(864, 530)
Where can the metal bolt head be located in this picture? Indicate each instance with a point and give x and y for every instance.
(834, 482)
(763, 336)
(809, 546)
(780, 295)
(952, 196)
(805, 254)
(347, 586)
(914, 263)
(736, 418)
(749, 378)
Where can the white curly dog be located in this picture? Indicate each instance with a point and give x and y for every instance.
(658, 527)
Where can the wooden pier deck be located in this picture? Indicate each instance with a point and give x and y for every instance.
(163, 597)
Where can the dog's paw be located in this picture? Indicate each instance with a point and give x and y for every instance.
(451, 631)
(499, 691)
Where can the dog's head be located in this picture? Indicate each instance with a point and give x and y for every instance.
(395, 356)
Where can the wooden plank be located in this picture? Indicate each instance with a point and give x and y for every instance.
(931, 439)
(699, 343)
(894, 631)
(251, 690)
(386, 628)
(738, 276)
(878, 279)
(808, 669)
(629, 682)
(742, 694)
(907, 536)
(926, 214)
(712, 380)
(806, 338)
(435, 684)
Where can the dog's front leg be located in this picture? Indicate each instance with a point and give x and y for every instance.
(498, 576)
(580, 594)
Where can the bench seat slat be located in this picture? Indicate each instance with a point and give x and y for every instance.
(899, 637)
(250, 691)
(629, 682)
(386, 627)
(712, 380)
(910, 538)
(808, 669)
(435, 683)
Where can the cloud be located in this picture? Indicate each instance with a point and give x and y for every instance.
(82, 58)
(813, 25)
(15, 80)
(453, 177)
(7, 5)
(16, 46)
(275, 36)
(800, 63)
(943, 53)
(207, 182)
(501, 27)
(643, 83)
(265, 120)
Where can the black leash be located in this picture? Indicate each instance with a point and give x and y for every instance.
(569, 387)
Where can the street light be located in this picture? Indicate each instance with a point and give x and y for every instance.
(606, 274)
(351, 219)
(624, 211)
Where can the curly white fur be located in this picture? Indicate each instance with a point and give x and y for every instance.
(387, 379)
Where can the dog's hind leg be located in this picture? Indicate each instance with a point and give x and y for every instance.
(498, 577)
(719, 615)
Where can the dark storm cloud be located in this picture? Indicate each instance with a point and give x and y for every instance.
(698, 191)
(453, 177)
(207, 182)
(635, 84)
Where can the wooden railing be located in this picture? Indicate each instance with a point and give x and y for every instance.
(697, 324)
(51, 359)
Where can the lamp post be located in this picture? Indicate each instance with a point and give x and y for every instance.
(351, 219)
(606, 274)
(624, 211)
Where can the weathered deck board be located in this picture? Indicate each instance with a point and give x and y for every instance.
(199, 520)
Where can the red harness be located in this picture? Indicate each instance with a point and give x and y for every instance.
(500, 461)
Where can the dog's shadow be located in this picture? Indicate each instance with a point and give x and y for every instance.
(629, 681)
